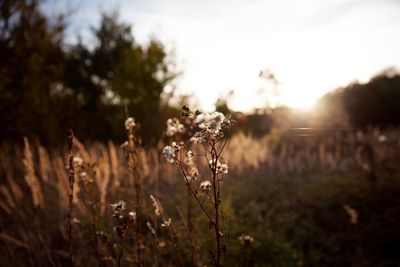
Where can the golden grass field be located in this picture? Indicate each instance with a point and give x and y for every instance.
(270, 180)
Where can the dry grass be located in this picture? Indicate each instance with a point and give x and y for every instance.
(33, 224)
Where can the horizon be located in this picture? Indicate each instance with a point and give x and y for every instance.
(311, 48)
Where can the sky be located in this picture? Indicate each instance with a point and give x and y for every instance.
(310, 46)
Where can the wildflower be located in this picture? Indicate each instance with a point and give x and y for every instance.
(118, 207)
(221, 168)
(174, 126)
(130, 123)
(157, 209)
(246, 239)
(169, 154)
(210, 121)
(382, 138)
(132, 215)
(167, 223)
(210, 126)
(77, 161)
(125, 145)
(205, 186)
(193, 173)
(176, 147)
(189, 158)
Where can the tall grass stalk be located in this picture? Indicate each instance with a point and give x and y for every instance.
(132, 154)
(71, 180)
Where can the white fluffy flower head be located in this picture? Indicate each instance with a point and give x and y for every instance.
(246, 239)
(169, 154)
(210, 121)
(130, 123)
(118, 207)
(205, 186)
(77, 161)
(174, 127)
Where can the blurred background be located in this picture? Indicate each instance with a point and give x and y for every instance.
(314, 87)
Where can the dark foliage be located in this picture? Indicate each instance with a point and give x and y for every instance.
(47, 87)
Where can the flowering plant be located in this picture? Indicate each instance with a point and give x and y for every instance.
(206, 130)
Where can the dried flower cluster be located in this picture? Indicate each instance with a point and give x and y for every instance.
(208, 131)
(123, 221)
(246, 239)
(174, 126)
(210, 127)
(130, 123)
(206, 186)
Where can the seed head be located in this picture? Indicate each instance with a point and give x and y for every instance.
(130, 123)
(169, 154)
(246, 239)
(205, 186)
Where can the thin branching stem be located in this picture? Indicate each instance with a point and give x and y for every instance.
(194, 194)
(71, 180)
(133, 161)
(222, 148)
(214, 156)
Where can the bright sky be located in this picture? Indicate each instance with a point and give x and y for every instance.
(311, 46)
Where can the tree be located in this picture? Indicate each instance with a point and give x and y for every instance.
(31, 66)
(375, 103)
(47, 87)
(119, 74)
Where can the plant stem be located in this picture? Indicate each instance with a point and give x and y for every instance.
(132, 163)
(214, 157)
(71, 180)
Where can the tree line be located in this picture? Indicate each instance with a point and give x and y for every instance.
(48, 86)
(375, 103)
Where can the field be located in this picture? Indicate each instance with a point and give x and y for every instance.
(289, 154)
(288, 199)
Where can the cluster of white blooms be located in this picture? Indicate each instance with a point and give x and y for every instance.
(205, 186)
(77, 165)
(174, 126)
(192, 172)
(169, 152)
(202, 128)
(246, 239)
(118, 207)
(130, 123)
(210, 126)
(123, 222)
(221, 168)
(77, 161)
(167, 223)
(132, 214)
(83, 175)
(210, 121)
